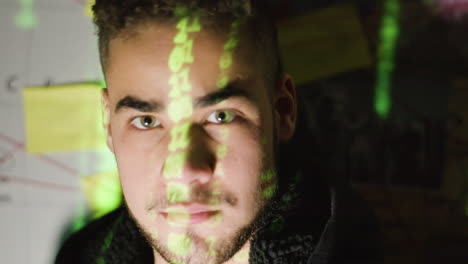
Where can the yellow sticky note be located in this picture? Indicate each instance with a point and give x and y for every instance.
(63, 118)
(103, 192)
(323, 43)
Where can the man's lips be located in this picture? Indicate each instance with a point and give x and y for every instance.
(189, 213)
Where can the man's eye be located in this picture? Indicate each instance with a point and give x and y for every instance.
(221, 116)
(145, 122)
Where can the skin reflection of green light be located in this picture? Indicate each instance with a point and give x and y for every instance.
(386, 53)
(179, 244)
(26, 18)
(180, 107)
(177, 192)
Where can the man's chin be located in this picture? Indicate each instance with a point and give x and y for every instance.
(200, 243)
(195, 245)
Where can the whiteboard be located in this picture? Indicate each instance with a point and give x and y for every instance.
(40, 194)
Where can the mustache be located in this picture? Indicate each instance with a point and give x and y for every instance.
(201, 195)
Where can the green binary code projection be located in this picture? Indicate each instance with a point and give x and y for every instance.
(386, 54)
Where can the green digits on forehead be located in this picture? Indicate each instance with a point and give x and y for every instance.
(226, 59)
(180, 83)
(182, 52)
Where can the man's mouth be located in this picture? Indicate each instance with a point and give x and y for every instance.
(189, 214)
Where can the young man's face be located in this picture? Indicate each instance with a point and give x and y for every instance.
(195, 175)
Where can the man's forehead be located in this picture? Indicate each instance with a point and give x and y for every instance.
(159, 37)
(147, 53)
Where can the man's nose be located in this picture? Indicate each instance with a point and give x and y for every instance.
(191, 162)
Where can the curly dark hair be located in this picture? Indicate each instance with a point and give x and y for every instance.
(113, 18)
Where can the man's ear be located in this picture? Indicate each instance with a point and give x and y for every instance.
(285, 106)
(106, 119)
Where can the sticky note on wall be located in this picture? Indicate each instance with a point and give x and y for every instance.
(63, 118)
(323, 43)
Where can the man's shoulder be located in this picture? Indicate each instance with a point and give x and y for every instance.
(83, 246)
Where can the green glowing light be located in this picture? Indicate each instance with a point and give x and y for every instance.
(103, 83)
(174, 164)
(180, 83)
(105, 246)
(182, 52)
(80, 220)
(226, 58)
(222, 82)
(180, 55)
(179, 244)
(221, 151)
(269, 191)
(88, 10)
(268, 175)
(26, 18)
(231, 44)
(180, 137)
(177, 192)
(180, 108)
(386, 54)
(103, 192)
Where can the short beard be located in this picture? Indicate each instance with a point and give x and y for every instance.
(228, 247)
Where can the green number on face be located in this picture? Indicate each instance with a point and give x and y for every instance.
(226, 60)
(180, 55)
(179, 244)
(180, 83)
(180, 137)
(180, 108)
(177, 192)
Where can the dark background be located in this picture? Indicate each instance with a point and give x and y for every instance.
(412, 165)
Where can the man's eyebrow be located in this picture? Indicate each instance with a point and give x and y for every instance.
(220, 95)
(138, 104)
